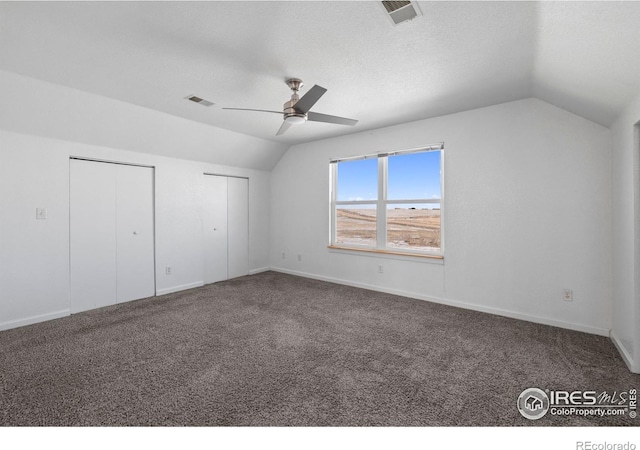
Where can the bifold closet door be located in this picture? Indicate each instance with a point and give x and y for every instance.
(214, 218)
(135, 240)
(226, 227)
(92, 234)
(238, 225)
(111, 234)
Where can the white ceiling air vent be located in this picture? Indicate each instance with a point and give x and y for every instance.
(401, 11)
(199, 100)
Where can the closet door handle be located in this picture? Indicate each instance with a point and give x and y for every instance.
(135, 232)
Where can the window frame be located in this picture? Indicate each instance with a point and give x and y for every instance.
(382, 202)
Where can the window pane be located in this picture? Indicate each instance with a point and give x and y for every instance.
(356, 224)
(414, 227)
(414, 176)
(358, 180)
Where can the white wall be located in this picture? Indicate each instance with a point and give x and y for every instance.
(626, 223)
(527, 214)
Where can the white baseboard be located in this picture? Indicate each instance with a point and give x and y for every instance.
(34, 319)
(260, 270)
(182, 287)
(456, 303)
(196, 284)
(626, 356)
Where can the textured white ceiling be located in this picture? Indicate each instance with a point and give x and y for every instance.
(582, 56)
(587, 59)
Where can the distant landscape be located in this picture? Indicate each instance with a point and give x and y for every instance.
(416, 229)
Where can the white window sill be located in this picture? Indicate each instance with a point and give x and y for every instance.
(388, 254)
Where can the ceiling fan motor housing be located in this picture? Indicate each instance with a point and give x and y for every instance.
(291, 115)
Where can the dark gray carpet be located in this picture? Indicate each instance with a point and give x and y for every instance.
(273, 349)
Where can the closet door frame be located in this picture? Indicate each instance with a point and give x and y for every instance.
(153, 209)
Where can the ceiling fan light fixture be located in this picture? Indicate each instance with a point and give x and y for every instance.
(295, 119)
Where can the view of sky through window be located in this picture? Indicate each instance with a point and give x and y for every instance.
(358, 180)
(411, 176)
(414, 175)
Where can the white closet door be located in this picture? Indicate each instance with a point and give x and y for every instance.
(135, 239)
(238, 223)
(214, 220)
(92, 235)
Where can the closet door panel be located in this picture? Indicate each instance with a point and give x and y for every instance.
(92, 235)
(214, 221)
(135, 233)
(238, 223)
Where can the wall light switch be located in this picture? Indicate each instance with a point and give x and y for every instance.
(41, 213)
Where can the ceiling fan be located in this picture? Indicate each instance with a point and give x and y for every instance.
(296, 110)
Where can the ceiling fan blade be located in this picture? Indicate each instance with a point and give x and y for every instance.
(309, 99)
(259, 110)
(317, 117)
(284, 127)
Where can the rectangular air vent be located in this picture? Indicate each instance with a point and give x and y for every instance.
(199, 100)
(401, 11)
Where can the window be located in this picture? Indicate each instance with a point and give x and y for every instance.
(390, 202)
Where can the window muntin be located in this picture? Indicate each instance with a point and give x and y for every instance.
(402, 213)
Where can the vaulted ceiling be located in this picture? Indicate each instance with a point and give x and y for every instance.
(581, 56)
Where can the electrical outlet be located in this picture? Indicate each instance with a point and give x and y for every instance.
(380, 268)
(568, 295)
(299, 257)
(283, 255)
(167, 270)
(41, 213)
